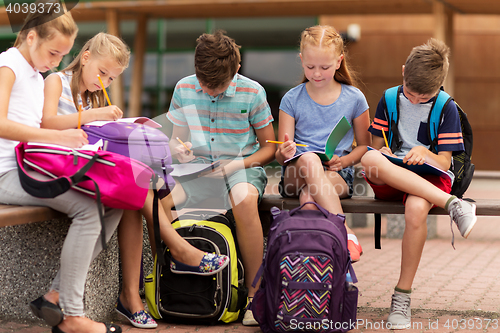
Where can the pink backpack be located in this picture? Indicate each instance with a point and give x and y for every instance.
(112, 179)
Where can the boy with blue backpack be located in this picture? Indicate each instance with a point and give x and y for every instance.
(423, 75)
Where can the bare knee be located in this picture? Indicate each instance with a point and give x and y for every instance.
(371, 158)
(371, 162)
(244, 196)
(308, 160)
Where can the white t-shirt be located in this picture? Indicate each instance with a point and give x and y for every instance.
(25, 104)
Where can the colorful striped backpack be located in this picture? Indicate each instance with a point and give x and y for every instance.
(304, 270)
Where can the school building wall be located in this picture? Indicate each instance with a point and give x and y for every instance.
(387, 40)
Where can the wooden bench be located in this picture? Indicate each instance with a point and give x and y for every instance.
(367, 205)
(11, 215)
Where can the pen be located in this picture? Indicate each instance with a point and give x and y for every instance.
(104, 90)
(182, 143)
(385, 139)
(280, 142)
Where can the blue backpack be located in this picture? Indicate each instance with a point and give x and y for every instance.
(303, 285)
(461, 166)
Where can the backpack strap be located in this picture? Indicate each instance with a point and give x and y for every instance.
(436, 116)
(351, 271)
(156, 223)
(391, 107)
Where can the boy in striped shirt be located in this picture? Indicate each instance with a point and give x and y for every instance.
(220, 115)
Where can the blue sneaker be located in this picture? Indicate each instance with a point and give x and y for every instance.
(210, 264)
(140, 319)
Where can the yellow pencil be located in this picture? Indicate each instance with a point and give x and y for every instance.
(385, 139)
(182, 143)
(79, 116)
(280, 142)
(104, 90)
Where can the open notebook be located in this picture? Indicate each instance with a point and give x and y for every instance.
(192, 169)
(137, 120)
(420, 169)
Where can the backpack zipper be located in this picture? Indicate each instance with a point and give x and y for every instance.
(71, 152)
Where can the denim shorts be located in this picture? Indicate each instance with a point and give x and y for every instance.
(347, 175)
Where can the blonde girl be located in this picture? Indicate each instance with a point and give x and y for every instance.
(108, 56)
(44, 39)
(308, 112)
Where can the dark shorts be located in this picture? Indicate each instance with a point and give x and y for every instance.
(347, 175)
(386, 192)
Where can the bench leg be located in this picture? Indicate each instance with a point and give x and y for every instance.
(377, 232)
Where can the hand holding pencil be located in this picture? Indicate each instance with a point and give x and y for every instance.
(386, 149)
(287, 148)
(183, 152)
(112, 112)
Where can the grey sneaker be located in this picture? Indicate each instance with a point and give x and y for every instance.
(464, 215)
(248, 319)
(400, 316)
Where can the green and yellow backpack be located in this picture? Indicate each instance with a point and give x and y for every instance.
(196, 299)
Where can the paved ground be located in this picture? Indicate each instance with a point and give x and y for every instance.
(454, 290)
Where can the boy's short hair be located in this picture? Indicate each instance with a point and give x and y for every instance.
(216, 59)
(426, 67)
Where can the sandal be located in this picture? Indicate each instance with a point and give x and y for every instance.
(210, 264)
(50, 312)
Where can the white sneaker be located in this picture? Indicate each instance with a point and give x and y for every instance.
(400, 316)
(464, 215)
(248, 319)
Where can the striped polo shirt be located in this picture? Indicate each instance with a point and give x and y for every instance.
(66, 104)
(222, 126)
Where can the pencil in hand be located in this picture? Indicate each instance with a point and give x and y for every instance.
(104, 89)
(281, 142)
(182, 143)
(385, 139)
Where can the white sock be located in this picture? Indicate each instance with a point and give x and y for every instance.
(353, 238)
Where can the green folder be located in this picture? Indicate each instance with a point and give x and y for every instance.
(336, 135)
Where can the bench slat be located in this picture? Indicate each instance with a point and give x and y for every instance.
(14, 215)
(370, 205)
